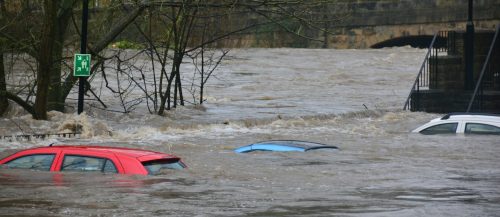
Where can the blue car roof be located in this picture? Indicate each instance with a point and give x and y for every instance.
(283, 145)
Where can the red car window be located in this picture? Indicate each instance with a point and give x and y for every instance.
(35, 161)
(157, 166)
(88, 164)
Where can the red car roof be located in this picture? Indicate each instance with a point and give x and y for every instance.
(131, 152)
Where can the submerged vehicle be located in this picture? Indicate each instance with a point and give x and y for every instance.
(87, 158)
(467, 123)
(283, 145)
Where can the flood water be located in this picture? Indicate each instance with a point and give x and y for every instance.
(352, 99)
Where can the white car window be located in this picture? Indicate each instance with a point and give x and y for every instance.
(441, 129)
(477, 128)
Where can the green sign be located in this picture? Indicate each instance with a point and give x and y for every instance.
(81, 65)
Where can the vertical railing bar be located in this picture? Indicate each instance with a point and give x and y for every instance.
(481, 97)
(436, 68)
(427, 69)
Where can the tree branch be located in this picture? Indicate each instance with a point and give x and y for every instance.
(29, 108)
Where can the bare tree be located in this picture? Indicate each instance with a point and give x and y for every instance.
(51, 87)
(206, 61)
(172, 31)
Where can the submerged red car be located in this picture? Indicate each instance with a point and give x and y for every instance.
(93, 159)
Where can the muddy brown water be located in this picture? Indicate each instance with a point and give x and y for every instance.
(381, 168)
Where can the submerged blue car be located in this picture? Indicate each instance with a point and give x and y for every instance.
(283, 145)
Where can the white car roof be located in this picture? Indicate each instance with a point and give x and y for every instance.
(470, 117)
(473, 117)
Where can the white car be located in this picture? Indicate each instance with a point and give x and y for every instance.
(468, 123)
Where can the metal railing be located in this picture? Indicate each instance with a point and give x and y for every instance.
(30, 137)
(485, 70)
(425, 79)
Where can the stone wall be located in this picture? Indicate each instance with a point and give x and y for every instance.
(365, 37)
(363, 23)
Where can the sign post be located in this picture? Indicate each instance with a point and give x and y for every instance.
(82, 61)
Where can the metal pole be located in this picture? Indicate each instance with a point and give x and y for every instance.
(83, 50)
(469, 50)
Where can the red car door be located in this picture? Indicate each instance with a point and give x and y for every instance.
(87, 160)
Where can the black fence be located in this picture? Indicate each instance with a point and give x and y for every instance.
(489, 78)
(440, 44)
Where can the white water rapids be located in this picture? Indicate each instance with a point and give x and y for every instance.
(348, 98)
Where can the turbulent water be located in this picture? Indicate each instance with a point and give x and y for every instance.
(348, 98)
